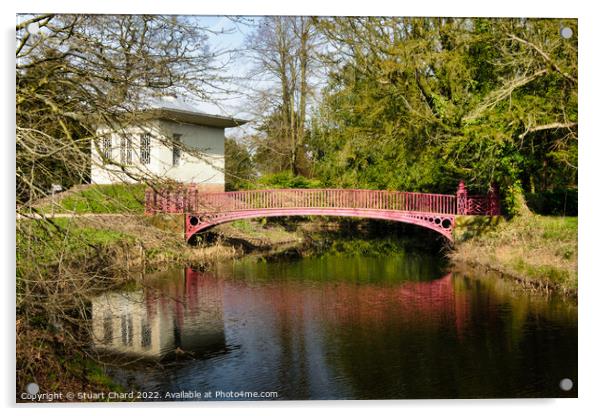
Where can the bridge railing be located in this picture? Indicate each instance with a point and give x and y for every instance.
(488, 204)
(191, 200)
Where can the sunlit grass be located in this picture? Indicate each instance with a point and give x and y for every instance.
(533, 247)
(99, 199)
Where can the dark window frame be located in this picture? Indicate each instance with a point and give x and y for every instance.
(106, 148)
(177, 150)
(145, 149)
(126, 150)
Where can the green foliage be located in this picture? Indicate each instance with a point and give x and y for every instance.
(514, 200)
(286, 180)
(97, 376)
(421, 103)
(106, 199)
(240, 168)
(366, 247)
(243, 226)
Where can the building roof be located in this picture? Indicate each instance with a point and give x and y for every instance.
(196, 117)
(178, 110)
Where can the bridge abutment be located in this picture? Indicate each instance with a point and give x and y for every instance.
(468, 226)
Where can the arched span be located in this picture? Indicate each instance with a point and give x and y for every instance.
(440, 223)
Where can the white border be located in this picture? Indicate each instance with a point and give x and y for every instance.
(590, 347)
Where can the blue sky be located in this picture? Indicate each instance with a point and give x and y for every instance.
(230, 36)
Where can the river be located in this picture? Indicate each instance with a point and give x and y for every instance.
(336, 326)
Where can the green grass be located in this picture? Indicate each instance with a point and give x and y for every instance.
(102, 199)
(245, 226)
(536, 248)
(97, 377)
(39, 245)
(259, 230)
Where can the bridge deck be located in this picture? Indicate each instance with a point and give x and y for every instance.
(192, 201)
(205, 209)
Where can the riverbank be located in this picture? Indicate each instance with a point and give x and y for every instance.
(63, 262)
(537, 251)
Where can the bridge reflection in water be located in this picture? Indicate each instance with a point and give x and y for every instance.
(182, 316)
(186, 315)
(336, 327)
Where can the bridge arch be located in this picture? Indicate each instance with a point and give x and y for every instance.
(204, 210)
(438, 222)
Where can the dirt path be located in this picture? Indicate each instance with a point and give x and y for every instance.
(34, 216)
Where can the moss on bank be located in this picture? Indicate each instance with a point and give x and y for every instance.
(537, 249)
(97, 199)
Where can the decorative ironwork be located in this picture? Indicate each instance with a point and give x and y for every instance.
(461, 197)
(188, 199)
(493, 200)
(441, 223)
(433, 211)
(478, 204)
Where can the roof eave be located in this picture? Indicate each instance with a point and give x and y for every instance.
(200, 119)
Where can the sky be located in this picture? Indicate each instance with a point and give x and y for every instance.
(226, 34)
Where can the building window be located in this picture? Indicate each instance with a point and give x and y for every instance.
(127, 327)
(177, 149)
(126, 150)
(105, 148)
(145, 148)
(146, 332)
(108, 329)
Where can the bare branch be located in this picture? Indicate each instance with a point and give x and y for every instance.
(550, 126)
(545, 56)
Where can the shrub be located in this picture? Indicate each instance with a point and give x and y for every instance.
(284, 180)
(514, 200)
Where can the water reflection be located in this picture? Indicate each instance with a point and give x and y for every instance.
(339, 327)
(174, 316)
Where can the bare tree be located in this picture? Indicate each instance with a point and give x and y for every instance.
(79, 77)
(78, 72)
(283, 50)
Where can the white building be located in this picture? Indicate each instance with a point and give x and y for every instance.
(169, 141)
(144, 325)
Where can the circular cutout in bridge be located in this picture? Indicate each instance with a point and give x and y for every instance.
(193, 221)
(446, 223)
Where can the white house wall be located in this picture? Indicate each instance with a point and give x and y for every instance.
(204, 165)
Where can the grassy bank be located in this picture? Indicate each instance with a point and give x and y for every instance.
(60, 265)
(536, 249)
(97, 199)
(63, 262)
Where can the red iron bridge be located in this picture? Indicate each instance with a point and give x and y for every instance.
(204, 210)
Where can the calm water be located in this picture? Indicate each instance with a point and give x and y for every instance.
(338, 327)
